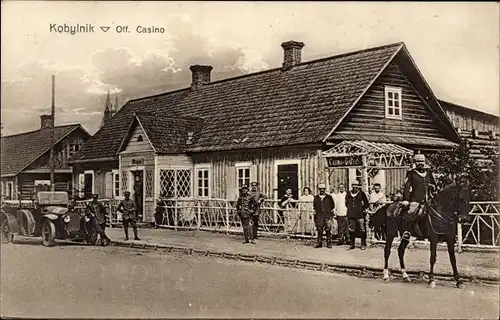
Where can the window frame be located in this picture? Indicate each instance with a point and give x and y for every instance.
(393, 90)
(116, 172)
(202, 168)
(176, 169)
(243, 166)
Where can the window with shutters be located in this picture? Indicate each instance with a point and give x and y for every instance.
(203, 181)
(393, 100)
(175, 183)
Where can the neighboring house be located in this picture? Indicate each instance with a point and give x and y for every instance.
(25, 158)
(270, 126)
(479, 128)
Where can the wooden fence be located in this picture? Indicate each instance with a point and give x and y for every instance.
(296, 220)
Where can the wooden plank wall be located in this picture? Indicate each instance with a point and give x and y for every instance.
(138, 146)
(368, 116)
(469, 122)
(311, 169)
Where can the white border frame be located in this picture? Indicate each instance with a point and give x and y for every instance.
(399, 91)
(275, 174)
(202, 166)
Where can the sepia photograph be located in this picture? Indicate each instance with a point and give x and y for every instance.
(254, 159)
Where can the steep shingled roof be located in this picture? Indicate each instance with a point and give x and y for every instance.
(264, 109)
(167, 134)
(20, 150)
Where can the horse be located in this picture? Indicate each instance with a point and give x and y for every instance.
(438, 223)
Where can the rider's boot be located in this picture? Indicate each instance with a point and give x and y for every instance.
(126, 234)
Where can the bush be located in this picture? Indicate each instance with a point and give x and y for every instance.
(483, 176)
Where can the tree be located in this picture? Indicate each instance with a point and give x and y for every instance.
(483, 175)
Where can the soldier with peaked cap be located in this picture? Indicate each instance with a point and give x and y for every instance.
(356, 202)
(245, 208)
(99, 218)
(129, 214)
(259, 197)
(323, 205)
(419, 182)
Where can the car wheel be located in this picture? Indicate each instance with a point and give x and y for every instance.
(5, 232)
(48, 233)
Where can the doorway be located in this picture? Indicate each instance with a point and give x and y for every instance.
(138, 190)
(288, 177)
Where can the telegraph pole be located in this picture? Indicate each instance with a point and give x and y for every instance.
(53, 124)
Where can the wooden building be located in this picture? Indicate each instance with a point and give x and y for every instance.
(25, 159)
(272, 127)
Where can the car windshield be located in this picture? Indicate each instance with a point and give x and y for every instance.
(57, 198)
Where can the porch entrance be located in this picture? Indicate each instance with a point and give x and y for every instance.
(138, 189)
(288, 177)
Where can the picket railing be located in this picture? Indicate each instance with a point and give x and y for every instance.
(296, 220)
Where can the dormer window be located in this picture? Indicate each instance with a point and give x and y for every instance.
(393, 103)
(139, 138)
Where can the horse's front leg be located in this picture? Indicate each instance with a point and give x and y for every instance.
(387, 254)
(432, 283)
(401, 254)
(450, 241)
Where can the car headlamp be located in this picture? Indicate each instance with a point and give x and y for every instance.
(66, 219)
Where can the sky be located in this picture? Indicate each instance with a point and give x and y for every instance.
(455, 46)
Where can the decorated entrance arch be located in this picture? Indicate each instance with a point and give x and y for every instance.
(369, 157)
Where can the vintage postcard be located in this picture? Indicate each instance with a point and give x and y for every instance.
(165, 159)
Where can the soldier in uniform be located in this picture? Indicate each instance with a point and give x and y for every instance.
(259, 197)
(418, 183)
(323, 205)
(129, 214)
(245, 208)
(99, 218)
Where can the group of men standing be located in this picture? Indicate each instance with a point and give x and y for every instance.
(348, 208)
(129, 212)
(248, 209)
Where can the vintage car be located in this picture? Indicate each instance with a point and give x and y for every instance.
(8, 225)
(52, 217)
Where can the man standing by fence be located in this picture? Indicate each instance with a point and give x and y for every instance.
(245, 208)
(323, 207)
(259, 197)
(341, 215)
(356, 202)
(129, 213)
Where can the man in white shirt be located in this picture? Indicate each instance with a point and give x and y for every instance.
(341, 215)
(377, 198)
(377, 201)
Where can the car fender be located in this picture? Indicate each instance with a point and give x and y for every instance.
(50, 216)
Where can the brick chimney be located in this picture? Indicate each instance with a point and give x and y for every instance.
(200, 76)
(293, 53)
(46, 121)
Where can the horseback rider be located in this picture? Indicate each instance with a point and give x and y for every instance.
(419, 182)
